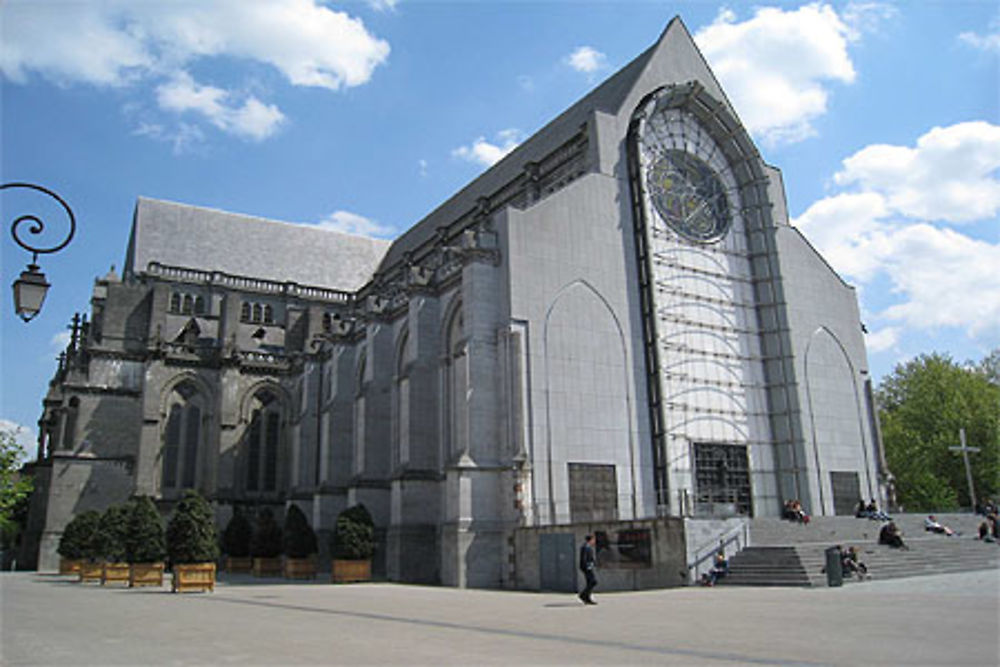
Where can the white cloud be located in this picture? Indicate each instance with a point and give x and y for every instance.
(778, 65)
(352, 223)
(587, 59)
(60, 340)
(949, 175)
(422, 166)
(383, 5)
(24, 436)
(990, 42)
(118, 42)
(487, 154)
(252, 119)
(883, 339)
(893, 227)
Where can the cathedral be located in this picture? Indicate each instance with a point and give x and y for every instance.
(614, 323)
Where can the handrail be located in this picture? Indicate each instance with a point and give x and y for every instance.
(733, 535)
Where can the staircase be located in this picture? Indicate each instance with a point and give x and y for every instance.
(789, 554)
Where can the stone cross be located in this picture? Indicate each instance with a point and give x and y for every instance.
(968, 468)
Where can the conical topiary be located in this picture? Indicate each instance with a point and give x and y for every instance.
(237, 535)
(354, 534)
(266, 542)
(77, 540)
(144, 540)
(111, 534)
(191, 534)
(299, 538)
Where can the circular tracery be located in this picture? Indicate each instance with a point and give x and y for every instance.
(688, 195)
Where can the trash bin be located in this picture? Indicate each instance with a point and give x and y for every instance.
(834, 569)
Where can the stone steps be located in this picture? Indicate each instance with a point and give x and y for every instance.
(786, 554)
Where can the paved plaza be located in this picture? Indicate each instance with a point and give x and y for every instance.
(935, 620)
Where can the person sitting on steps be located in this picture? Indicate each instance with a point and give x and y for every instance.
(851, 564)
(891, 535)
(932, 525)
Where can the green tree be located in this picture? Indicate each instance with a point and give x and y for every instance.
(354, 534)
(923, 404)
(237, 535)
(266, 542)
(112, 532)
(15, 488)
(299, 537)
(145, 538)
(81, 537)
(191, 534)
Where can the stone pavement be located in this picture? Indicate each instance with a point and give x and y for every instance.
(947, 619)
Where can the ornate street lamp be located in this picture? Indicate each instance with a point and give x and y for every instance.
(30, 288)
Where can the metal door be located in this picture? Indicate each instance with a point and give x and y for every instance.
(557, 562)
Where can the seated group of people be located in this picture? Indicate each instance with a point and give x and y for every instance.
(870, 511)
(793, 512)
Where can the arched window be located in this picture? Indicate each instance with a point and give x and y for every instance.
(69, 424)
(258, 312)
(175, 302)
(359, 417)
(245, 312)
(456, 385)
(188, 306)
(262, 443)
(327, 322)
(199, 305)
(401, 402)
(268, 314)
(182, 436)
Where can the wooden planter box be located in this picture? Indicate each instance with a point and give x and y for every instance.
(239, 564)
(348, 571)
(115, 573)
(193, 577)
(300, 568)
(267, 567)
(145, 574)
(69, 566)
(91, 571)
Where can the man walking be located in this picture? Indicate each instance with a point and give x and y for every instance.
(588, 562)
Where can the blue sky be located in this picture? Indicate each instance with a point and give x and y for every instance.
(883, 117)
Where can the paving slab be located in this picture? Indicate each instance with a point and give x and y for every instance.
(949, 619)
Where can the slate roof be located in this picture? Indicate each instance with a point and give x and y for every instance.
(211, 240)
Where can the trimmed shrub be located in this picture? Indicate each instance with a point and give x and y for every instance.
(300, 539)
(266, 542)
(77, 541)
(111, 534)
(237, 536)
(145, 540)
(354, 534)
(191, 534)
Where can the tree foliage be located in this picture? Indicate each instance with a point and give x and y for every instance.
(354, 534)
(145, 540)
(266, 542)
(237, 535)
(191, 534)
(112, 532)
(923, 404)
(81, 539)
(15, 487)
(300, 539)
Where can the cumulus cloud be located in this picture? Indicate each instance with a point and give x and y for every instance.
(587, 59)
(894, 224)
(352, 223)
(487, 154)
(251, 119)
(778, 66)
(117, 43)
(949, 175)
(883, 339)
(990, 42)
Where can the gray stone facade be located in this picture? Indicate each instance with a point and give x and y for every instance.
(547, 348)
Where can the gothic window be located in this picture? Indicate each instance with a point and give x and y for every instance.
(188, 307)
(258, 312)
(175, 302)
(199, 305)
(69, 424)
(327, 322)
(268, 314)
(359, 418)
(401, 407)
(456, 385)
(262, 443)
(245, 312)
(182, 438)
